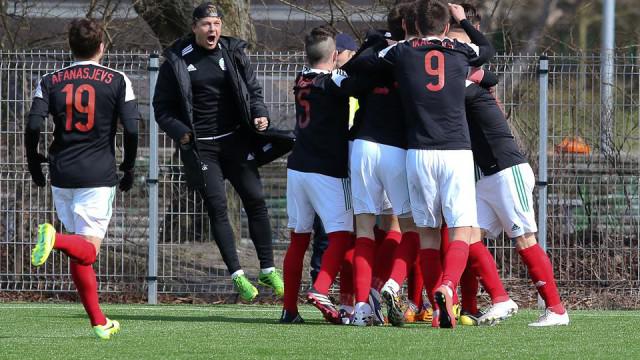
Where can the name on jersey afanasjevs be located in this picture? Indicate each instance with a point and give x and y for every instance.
(83, 73)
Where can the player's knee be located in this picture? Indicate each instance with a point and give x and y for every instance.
(525, 241)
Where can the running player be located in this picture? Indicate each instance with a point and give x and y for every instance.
(85, 100)
(431, 73)
(504, 196)
(317, 173)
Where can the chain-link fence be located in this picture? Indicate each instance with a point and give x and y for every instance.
(592, 202)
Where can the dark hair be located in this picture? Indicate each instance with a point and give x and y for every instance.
(394, 23)
(471, 13)
(409, 13)
(319, 44)
(85, 36)
(433, 17)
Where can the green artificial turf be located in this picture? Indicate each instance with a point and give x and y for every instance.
(55, 331)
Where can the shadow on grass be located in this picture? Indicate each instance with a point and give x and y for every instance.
(210, 318)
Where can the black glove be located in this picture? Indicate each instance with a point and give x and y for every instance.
(126, 182)
(34, 162)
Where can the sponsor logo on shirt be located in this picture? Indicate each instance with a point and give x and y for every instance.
(191, 68)
(222, 65)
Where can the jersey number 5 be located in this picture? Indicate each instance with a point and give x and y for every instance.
(73, 101)
(437, 70)
(303, 119)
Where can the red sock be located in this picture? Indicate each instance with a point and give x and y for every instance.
(541, 273)
(455, 260)
(384, 259)
(331, 260)
(292, 269)
(431, 271)
(76, 247)
(469, 289)
(346, 277)
(484, 266)
(363, 267)
(85, 279)
(405, 256)
(415, 284)
(444, 246)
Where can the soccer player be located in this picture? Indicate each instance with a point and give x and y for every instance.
(85, 100)
(378, 171)
(317, 173)
(504, 197)
(431, 73)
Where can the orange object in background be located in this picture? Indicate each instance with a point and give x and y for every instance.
(573, 145)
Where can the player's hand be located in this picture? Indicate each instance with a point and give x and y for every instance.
(185, 139)
(457, 12)
(261, 123)
(35, 168)
(126, 182)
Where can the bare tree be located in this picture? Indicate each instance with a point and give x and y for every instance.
(171, 19)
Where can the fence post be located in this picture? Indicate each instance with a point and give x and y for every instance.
(543, 78)
(152, 275)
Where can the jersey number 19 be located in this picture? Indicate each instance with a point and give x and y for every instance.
(73, 101)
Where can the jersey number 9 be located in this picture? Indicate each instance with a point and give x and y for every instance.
(437, 70)
(73, 101)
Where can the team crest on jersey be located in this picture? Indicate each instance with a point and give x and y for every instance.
(222, 65)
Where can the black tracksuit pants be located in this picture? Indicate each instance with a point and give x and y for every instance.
(228, 158)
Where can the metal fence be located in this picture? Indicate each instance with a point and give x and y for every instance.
(591, 200)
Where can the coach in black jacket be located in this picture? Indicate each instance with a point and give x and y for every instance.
(208, 100)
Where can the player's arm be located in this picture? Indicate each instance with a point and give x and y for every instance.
(166, 104)
(486, 50)
(343, 85)
(129, 117)
(484, 78)
(256, 97)
(372, 61)
(39, 111)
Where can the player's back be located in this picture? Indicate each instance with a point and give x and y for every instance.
(84, 100)
(322, 127)
(431, 76)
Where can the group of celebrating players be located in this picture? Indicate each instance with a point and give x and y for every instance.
(426, 121)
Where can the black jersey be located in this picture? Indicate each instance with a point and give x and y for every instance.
(214, 107)
(431, 75)
(85, 101)
(382, 116)
(494, 147)
(322, 122)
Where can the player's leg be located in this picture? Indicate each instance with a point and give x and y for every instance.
(330, 199)
(320, 243)
(368, 199)
(215, 200)
(245, 178)
(86, 213)
(347, 288)
(521, 182)
(483, 266)
(456, 181)
(365, 250)
(541, 273)
(301, 216)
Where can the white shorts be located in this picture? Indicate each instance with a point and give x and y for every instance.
(442, 183)
(505, 202)
(84, 211)
(311, 193)
(379, 175)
